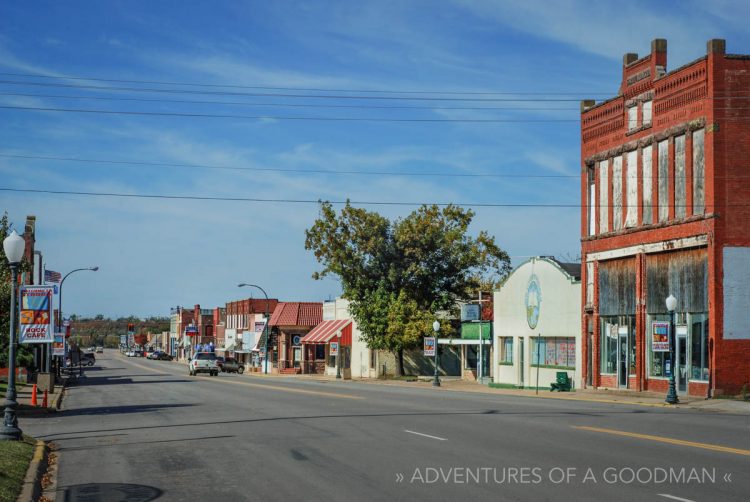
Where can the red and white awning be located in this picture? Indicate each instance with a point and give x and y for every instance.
(325, 331)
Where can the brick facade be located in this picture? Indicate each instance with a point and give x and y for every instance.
(644, 154)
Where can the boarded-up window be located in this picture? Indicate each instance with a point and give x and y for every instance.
(617, 287)
(631, 186)
(646, 162)
(663, 181)
(680, 189)
(590, 283)
(632, 118)
(603, 196)
(683, 274)
(699, 174)
(647, 113)
(617, 193)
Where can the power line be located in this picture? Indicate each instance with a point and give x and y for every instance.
(285, 170)
(308, 89)
(274, 117)
(282, 201)
(286, 105)
(285, 95)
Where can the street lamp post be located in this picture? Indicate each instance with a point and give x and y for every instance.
(59, 307)
(268, 321)
(338, 356)
(672, 393)
(13, 245)
(436, 329)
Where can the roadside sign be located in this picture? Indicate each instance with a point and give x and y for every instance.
(660, 336)
(36, 315)
(429, 346)
(334, 349)
(58, 346)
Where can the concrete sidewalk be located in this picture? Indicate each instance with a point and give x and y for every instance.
(601, 396)
(622, 397)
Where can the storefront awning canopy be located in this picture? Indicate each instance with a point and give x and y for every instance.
(226, 349)
(325, 331)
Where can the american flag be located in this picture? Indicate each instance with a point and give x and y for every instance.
(52, 276)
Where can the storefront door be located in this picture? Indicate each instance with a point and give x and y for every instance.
(681, 373)
(522, 365)
(622, 357)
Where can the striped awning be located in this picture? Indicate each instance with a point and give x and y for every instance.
(323, 332)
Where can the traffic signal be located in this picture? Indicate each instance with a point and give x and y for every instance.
(131, 328)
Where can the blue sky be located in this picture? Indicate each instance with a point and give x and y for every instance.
(537, 58)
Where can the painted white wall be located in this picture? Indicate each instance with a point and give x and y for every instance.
(559, 316)
(360, 356)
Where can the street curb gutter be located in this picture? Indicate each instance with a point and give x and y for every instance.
(32, 483)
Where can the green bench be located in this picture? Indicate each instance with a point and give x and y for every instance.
(563, 383)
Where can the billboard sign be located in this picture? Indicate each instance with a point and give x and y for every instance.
(660, 336)
(36, 314)
(429, 346)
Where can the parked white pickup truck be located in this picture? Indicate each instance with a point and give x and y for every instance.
(203, 362)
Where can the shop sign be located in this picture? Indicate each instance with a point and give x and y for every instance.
(660, 336)
(36, 315)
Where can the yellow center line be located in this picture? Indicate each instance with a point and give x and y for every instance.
(264, 386)
(661, 439)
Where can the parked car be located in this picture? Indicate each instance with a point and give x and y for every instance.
(203, 362)
(219, 361)
(232, 365)
(100, 350)
(163, 356)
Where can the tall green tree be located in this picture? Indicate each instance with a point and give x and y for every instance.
(398, 274)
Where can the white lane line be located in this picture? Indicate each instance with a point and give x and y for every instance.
(674, 498)
(425, 435)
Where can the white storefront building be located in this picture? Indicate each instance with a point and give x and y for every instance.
(537, 324)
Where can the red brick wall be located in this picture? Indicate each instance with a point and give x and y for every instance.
(691, 97)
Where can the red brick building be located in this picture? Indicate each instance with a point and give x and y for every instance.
(665, 192)
(290, 322)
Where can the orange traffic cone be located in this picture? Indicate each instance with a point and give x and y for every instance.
(44, 401)
(33, 396)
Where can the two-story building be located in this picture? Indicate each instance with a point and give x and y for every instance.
(665, 191)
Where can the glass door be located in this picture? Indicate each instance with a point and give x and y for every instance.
(623, 365)
(681, 369)
(522, 365)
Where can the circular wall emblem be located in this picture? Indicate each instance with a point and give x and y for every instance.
(296, 339)
(533, 301)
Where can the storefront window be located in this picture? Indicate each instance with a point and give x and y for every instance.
(553, 351)
(699, 362)
(320, 352)
(506, 350)
(472, 355)
(608, 347)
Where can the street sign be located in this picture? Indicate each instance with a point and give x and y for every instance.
(470, 312)
(429, 346)
(334, 349)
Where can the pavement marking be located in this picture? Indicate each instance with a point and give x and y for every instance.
(425, 435)
(660, 439)
(674, 498)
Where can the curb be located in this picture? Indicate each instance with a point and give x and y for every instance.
(32, 483)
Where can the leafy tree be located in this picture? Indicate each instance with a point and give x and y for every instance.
(397, 275)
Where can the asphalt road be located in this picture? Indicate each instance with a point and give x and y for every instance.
(139, 430)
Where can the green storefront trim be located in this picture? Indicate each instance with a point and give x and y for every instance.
(502, 363)
(470, 330)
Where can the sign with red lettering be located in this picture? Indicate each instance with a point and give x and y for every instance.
(36, 314)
